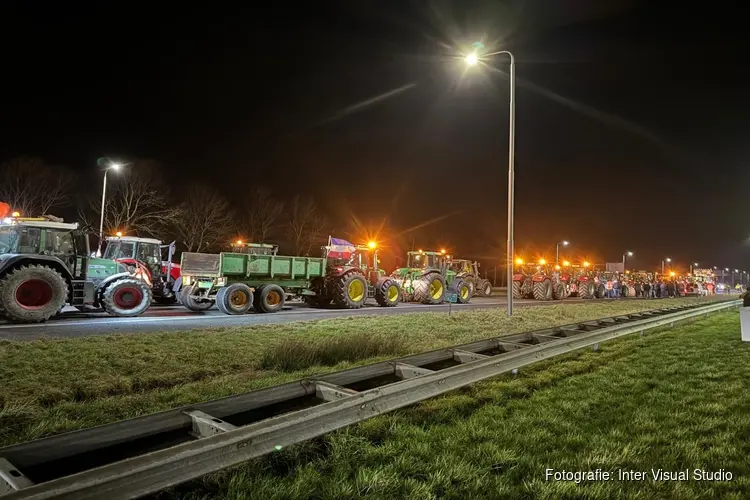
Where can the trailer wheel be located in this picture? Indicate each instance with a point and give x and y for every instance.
(387, 292)
(235, 299)
(269, 298)
(127, 297)
(429, 289)
(349, 290)
(586, 290)
(32, 294)
(191, 303)
(542, 290)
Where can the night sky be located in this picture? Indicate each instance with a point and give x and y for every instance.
(630, 131)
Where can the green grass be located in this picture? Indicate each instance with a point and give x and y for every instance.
(673, 399)
(51, 386)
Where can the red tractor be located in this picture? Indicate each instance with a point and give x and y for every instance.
(144, 260)
(583, 282)
(537, 281)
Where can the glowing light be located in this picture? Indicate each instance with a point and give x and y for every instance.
(557, 268)
(15, 214)
(420, 250)
(542, 261)
(239, 242)
(565, 243)
(566, 263)
(471, 59)
(442, 250)
(671, 273)
(519, 261)
(586, 264)
(630, 254)
(118, 234)
(115, 166)
(372, 244)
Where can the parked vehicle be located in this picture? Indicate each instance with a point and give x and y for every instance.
(427, 278)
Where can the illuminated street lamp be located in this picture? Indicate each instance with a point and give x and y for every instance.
(557, 251)
(110, 166)
(472, 59)
(662, 264)
(626, 254)
(693, 267)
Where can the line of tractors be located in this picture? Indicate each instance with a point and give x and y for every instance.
(46, 265)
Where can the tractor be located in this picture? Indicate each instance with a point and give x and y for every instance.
(583, 282)
(537, 281)
(143, 259)
(353, 276)
(427, 275)
(45, 264)
(469, 271)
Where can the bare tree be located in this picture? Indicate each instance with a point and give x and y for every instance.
(205, 219)
(137, 201)
(32, 187)
(263, 213)
(305, 225)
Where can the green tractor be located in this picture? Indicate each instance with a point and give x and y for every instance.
(469, 271)
(45, 264)
(427, 276)
(352, 277)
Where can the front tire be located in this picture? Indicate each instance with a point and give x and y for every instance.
(32, 294)
(486, 289)
(430, 289)
(127, 297)
(462, 289)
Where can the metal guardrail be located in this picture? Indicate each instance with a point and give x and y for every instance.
(135, 457)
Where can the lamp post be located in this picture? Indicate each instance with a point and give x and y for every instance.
(557, 251)
(693, 267)
(472, 60)
(111, 166)
(662, 264)
(626, 254)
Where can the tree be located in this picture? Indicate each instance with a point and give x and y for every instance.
(263, 213)
(305, 225)
(137, 201)
(205, 219)
(34, 188)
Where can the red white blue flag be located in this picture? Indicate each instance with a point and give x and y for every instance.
(340, 249)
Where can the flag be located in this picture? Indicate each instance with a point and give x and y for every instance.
(340, 249)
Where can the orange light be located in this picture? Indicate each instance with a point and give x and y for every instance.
(420, 250)
(239, 242)
(519, 261)
(557, 268)
(586, 264)
(542, 261)
(566, 263)
(118, 234)
(671, 273)
(372, 244)
(442, 250)
(15, 214)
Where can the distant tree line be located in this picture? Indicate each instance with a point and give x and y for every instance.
(139, 202)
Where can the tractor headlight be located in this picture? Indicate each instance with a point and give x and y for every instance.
(186, 280)
(221, 281)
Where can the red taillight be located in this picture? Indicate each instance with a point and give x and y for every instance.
(339, 269)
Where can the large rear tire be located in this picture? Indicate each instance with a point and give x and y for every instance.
(349, 290)
(32, 294)
(321, 297)
(430, 289)
(387, 292)
(517, 290)
(586, 290)
(127, 297)
(192, 304)
(559, 292)
(601, 291)
(542, 290)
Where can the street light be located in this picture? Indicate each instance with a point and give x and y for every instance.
(115, 167)
(472, 59)
(693, 267)
(557, 251)
(626, 254)
(662, 264)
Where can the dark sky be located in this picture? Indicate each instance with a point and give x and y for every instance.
(631, 132)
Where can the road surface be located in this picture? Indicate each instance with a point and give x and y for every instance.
(77, 324)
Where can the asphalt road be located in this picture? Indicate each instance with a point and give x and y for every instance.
(77, 324)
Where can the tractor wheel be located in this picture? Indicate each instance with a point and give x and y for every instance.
(543, 289)
(32, 294)
(127, 297)
(517, 290)
(387, 292)
(321, 298)
(235, 299)
(462, 289)
(191, 303)
(601, 291)
(349, 290)
(559, 292)
(486, 290)
(269, 298)
(586, 290)
(429, 289)
(527, 289)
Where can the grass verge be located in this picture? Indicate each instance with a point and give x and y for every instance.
(673, 400)
(56, 385)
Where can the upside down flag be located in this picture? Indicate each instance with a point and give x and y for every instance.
(340, 249)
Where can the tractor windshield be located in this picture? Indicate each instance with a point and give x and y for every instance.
(120, 250)
(8, 239)
(422, 261)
